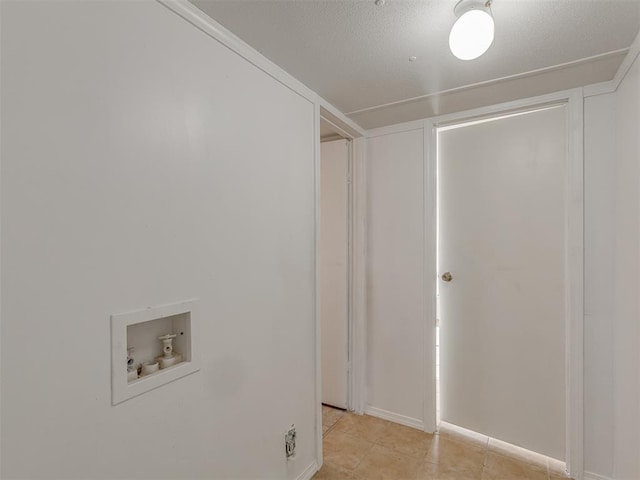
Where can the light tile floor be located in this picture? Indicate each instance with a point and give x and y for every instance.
(361, 447)
(330, 417)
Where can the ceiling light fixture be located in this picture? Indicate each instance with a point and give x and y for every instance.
(473, 32)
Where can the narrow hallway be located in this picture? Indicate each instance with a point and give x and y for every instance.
(362, 447)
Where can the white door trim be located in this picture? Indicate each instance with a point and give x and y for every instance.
(430, 272)
(357, 281)
(574, 260)
(316, 295)
(575, 292)
(356, 266)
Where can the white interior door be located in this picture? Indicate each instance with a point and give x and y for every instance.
(334, 238)
(502, 235)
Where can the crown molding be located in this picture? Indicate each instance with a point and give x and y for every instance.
(613, 84)
(217, 32)
(530, 84)
(507, 78)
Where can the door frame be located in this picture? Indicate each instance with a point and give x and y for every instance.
(357, 263)
(574, 259)
(356, 212)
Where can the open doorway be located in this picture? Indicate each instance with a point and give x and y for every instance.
(332, 127)
(334, 270)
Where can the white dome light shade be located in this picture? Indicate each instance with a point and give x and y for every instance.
(472, 34)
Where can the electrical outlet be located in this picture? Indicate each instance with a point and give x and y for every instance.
(290, 442)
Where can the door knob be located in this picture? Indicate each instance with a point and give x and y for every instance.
(447, 277)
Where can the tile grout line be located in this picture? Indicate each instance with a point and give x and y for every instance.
(378, 440)
(377, 443)
(331, 427)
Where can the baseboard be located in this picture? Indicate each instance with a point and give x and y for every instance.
(309, 472)
(394, 417)
(594, 476)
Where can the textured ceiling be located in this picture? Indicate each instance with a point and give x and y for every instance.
(356, 54)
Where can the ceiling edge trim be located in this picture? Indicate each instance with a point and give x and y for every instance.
(339, 119)
(513, 106)
(495, 81)
(203, 22)
(600, 88)
(337, 131)
(625, 66)
(396, 128)
(612, 85)
(331, 138)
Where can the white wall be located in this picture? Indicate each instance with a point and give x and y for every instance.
(395, 278)
(612, 217)
(612, 158)
(144, 163)
(599, 272)
(612, 214)
(626, 275)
